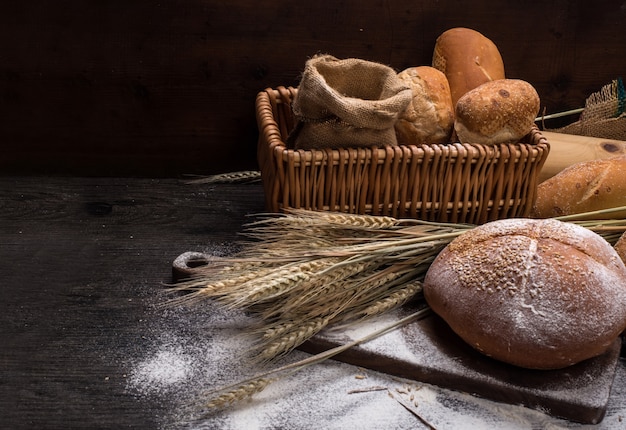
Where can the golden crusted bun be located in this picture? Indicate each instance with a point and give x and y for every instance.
(468, 59)
(540, 294)
(583, 187)
(495, 112)
(429, 118)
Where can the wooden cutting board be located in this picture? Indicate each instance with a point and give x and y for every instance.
(429, 351)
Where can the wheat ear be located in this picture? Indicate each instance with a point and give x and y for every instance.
(228, 395)
(242, 392)
(292, 339)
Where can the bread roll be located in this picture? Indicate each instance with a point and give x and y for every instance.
(468, 59)
(583, 187)
(501, 111)
(540, 294)
(429, 118)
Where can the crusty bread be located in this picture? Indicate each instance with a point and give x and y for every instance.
(468, 59)
(429, 118)
(540, 294)
(495, 112)
(583, 187)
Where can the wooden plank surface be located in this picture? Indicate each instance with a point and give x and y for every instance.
(81, 262)
(166, 88)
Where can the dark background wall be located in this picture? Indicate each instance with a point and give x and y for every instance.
(165, 88)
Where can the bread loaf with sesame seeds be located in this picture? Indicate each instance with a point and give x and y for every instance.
(539, 294)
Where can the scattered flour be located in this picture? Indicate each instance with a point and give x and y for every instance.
(165, 368)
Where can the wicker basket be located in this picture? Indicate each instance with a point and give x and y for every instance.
(462, 183)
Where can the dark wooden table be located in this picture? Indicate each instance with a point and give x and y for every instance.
(83, 263)
(82, 260)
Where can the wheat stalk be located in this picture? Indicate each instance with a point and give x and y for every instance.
(201, 288)
(241, 392)
(227, 395)
(309, 218)
(228, 178)
(326, 284)
(394, 299)
(274, 284)
(291, 339)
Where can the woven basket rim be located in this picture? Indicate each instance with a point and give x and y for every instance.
(276, 142)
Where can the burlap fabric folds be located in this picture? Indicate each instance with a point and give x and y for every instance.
(604, 115)
(347, 103)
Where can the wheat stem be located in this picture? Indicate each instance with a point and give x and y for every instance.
(228, 178)
(230, 394)
(587, 215)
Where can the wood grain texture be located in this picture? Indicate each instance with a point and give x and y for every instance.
(166, 88)
(83, 262)
(568, 149)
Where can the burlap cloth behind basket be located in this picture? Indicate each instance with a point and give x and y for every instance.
(347, 103)
(604, 115)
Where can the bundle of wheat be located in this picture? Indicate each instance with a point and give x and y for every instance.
(303, 271)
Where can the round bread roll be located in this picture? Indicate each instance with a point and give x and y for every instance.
(584, 187)
(468, 59)
(501, 111)
(539, 294)
(429, 118)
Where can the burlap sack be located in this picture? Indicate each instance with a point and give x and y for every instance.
(604, 115)
(347, 103)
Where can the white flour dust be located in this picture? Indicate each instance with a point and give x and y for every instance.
(197, 349)
(162, 370)
(187, 351)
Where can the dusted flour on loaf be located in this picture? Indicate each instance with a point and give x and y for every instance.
(539, 294)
